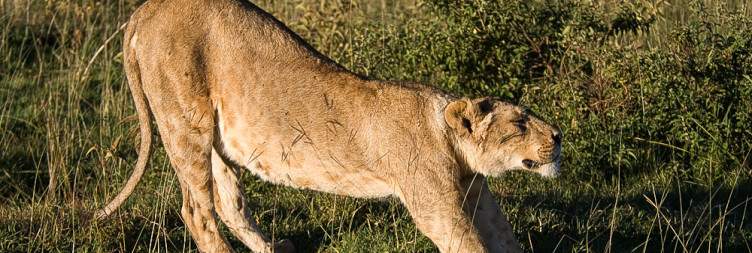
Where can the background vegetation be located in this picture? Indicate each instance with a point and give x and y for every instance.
(653, 98)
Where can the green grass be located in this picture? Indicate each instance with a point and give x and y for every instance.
(654, 99)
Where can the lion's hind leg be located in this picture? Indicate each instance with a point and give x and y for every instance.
(232, 208)
(189, 151)
(186, 125)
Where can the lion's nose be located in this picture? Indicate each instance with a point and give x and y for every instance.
(556, 136)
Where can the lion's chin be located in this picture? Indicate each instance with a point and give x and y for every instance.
(549, 170)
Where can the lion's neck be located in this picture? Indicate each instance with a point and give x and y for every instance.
(462, 151)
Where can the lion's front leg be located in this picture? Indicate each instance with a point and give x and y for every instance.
(493, 226)
(438, 214)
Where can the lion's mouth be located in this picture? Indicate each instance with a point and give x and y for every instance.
(530, 164)
(546, 169)
(533, 164)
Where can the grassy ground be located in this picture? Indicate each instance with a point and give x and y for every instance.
(653, 98)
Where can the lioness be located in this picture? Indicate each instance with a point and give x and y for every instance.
(231, 87)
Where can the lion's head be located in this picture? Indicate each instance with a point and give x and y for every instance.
(495, 136)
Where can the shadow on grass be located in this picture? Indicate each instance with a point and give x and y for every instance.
(682, 218)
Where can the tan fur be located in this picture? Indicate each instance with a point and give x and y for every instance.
(230, 87)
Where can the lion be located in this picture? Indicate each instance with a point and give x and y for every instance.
(230, 88)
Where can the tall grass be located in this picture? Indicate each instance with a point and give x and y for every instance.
(653, 98)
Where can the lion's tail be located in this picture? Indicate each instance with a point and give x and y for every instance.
(133, 74)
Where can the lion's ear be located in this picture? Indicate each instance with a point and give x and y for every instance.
(467, 116)
(455, 115)
(482, 106)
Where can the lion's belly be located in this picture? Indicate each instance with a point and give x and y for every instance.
(293, 159)
(325, 179)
